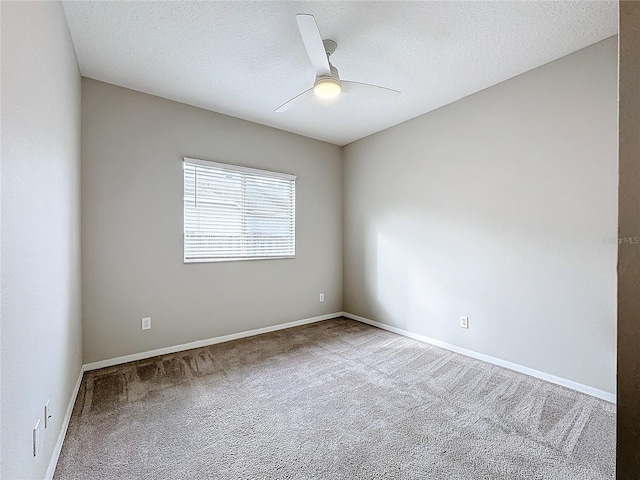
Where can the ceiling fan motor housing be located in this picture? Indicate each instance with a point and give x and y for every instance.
(335, 77)
(328, 86)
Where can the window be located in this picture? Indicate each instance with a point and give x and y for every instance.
(237, 213)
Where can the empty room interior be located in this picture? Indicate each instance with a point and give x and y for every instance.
(320, 240)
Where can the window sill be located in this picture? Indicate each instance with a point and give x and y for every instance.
(235, 259)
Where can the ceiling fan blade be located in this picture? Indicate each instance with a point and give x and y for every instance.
(313, 43)
(294, 101)
(367, 88)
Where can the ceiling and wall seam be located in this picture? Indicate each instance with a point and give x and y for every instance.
(244, 59)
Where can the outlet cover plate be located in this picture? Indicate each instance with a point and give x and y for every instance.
(146, 323)
(464, 322)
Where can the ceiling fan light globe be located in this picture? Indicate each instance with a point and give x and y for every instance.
(327, 88)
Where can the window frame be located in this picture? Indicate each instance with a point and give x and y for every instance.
(244, 170)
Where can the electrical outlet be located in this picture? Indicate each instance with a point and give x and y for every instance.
(47, 414)
(36, 438)
(464, 322)
(146, 323)
(322, 297)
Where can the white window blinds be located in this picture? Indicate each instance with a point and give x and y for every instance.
(234, 213)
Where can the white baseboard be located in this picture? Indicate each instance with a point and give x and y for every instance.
(594, 392)
(204, 343)
(53, 462)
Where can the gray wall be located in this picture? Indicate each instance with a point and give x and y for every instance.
(40, 260)
(628, 438)
(132, 246)
(496, 207)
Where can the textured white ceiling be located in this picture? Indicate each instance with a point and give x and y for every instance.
(246, 58)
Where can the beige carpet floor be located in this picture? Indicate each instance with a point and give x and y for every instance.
(331, 400)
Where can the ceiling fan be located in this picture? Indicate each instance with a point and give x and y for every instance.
(328, 84)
